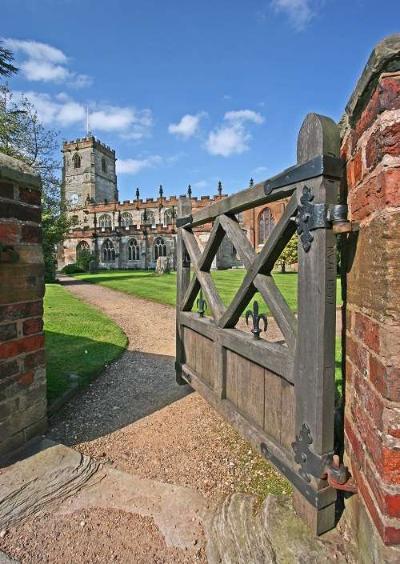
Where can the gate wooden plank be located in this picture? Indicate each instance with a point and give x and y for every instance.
(202, 325)
(273, 405)
(182, 283)
(189, 350)
(231, 389)
(251, 390)
(273, 356)
(288, 415)
(315, 357)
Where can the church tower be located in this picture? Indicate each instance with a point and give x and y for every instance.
(88, 172)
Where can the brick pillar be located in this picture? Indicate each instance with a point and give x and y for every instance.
(371, 148)
(22, 356)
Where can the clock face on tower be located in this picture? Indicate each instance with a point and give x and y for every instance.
(73, 198)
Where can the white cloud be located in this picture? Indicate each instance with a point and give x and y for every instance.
(187, 126)
(228, 140)
(300, 12)
(45, 63)
(241, 116)
(232, 137)
(36, 50)
(133, 166)
(43, 70)
(62, 110)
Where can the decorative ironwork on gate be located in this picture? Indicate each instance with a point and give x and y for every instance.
(280, 395)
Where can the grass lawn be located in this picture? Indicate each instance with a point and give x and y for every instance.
(80, 340)
(162, 289)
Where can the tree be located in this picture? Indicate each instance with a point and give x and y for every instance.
(289, 254)
(6, 61)
(23, 136)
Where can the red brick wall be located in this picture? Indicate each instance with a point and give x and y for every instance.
(22, 357)
(371, 147)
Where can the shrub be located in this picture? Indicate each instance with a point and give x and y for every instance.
(72, 269)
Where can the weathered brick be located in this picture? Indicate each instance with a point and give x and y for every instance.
(9, 233)
(21, 212)
(385, 97)
(26, 344)
(35, 359)
(32, 326)
(366, 199)
(388, 182)
(23, 280)
(11, 312)
(29, 195)
(386, 142)
(386, 379)
(6, 190)
(358, 354)
(355, 441)
(31, 234)
(8, 369)
(388, 498)
(367, 330)
(354, 170)
(8, 331)
(26, 379)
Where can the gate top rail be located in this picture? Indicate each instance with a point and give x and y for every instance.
(275, 188)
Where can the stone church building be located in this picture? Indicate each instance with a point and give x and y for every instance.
(132, 234)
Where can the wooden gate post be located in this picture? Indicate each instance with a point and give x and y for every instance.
(315, 358)
(182, 282)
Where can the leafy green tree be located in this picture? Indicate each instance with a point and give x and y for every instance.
(23, 136)
(289, 254)
(84, 259)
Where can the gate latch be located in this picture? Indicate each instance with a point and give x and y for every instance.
(8, 254)
(312, 216)
(327, 466)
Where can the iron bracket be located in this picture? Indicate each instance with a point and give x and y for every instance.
(311, 464)
(182, 221)
(317, 498)
(312, 216)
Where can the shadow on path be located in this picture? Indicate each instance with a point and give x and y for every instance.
(133, 387)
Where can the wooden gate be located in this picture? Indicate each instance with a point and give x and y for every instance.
(279, 395)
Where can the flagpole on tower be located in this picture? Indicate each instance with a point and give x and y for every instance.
(87, 122)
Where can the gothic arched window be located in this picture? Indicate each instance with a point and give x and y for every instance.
(103, 164)
(76, 160)
(160, 248)
(169, 216)
(126, 219)
(81, 248)
(265, 225)
(133, 250)
(105, 220)
(108, 251)
(148, 217)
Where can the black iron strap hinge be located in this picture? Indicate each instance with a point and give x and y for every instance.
(326, 466)
(311, 464)
(312, 216)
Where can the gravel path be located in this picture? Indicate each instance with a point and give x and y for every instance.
(137, 418)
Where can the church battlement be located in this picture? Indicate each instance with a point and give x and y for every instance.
(87, 142)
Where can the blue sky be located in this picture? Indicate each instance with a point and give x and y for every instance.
(189, 91)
